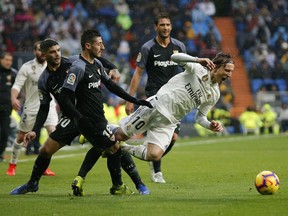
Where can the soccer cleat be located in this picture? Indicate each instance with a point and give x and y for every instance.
(11, 171)
(23, 189)
(158, 178)
(143, 190)
(120, 190)
(82, 139)
(48, 172)
(77, 186)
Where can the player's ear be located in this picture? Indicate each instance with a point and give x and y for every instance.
(87, 45)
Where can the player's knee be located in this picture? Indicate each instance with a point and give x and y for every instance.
(154, 155)
(49, 148)
(44, 152)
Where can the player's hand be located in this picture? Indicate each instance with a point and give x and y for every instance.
(115, 75)
(144, 103)
(207, 63)
(216, 126)
(129, 108)
(28, 137)
(16, 104)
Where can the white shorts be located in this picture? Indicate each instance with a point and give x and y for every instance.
(27, 121)
(159, 129)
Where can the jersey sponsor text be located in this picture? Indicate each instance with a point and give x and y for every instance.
(164, 63)
(195, 96)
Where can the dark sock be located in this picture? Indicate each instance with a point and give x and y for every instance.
(114, 167)
(157, 166)
(40, 165)
(90, 159)
(129, 167)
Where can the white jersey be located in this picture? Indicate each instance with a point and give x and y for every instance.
(186, 91)
(27, 79)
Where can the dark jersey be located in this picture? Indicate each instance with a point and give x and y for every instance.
(156, 60)
(87, 78)
(7, 78)
(84, 82)
(52, 81)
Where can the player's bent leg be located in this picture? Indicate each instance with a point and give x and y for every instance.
(155, 166)
(130, 168)
(139, 151)
(154, 152)
(50, 147)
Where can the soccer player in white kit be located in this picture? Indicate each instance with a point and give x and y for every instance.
(195, 88)
(27, 79)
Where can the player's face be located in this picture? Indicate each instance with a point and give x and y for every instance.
(53, 56)
(6, 61)
(163, 28)
(96, 48)
(38, 55)
(224, 72)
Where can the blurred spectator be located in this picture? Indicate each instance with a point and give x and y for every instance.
(284, 58)
(269, 118)
(123, 50)
(263, 96)
(254, 72)
(283, 117)
(207, 7)
(227, 96)
(250, 121)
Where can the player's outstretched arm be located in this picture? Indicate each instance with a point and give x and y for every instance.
(183, 58)
(204, 122)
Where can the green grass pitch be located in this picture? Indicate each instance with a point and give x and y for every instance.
(205, 176)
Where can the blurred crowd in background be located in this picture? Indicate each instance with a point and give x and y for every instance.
(262, 36)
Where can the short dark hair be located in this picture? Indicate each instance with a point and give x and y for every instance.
(36, 44)
(161, 15)
(47, 43)
(4, 53)
(88, 36)
(222, 58)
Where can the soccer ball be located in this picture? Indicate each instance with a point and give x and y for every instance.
(267, 182)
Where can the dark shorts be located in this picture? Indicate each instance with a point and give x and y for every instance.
(100, 136)
(65, 132)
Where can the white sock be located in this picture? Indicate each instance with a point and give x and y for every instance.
(139, 151)
(16, 150)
